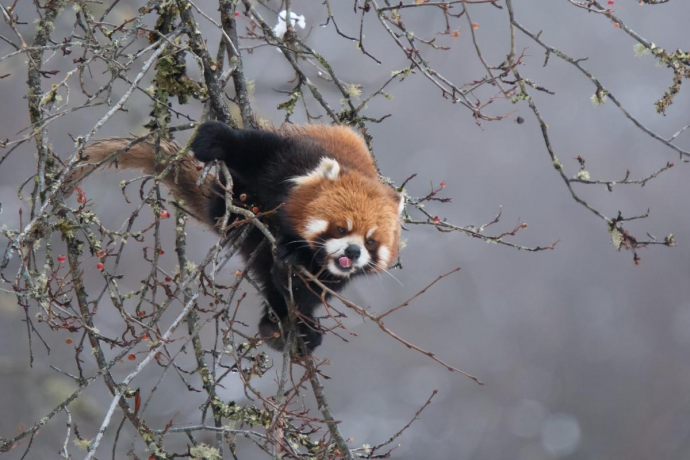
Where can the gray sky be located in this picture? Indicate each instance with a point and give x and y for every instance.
(583, 353)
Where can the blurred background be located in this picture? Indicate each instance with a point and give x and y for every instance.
(584, 354)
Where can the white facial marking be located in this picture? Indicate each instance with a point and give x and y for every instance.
(401, 204)
(371, 231)
(327, 169)
(315, 227)
(349, 225)
(384, 256)
(335, 248)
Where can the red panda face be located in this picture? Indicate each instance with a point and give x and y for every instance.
(350, 220)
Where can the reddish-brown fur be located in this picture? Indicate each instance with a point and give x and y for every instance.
(343, 143)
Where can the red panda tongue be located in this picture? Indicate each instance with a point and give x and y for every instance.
(345, 262)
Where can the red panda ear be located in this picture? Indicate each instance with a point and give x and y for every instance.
(328, 169)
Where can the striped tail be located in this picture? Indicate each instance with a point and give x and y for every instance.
(181, 181)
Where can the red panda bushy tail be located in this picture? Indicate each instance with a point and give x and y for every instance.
(181, 181)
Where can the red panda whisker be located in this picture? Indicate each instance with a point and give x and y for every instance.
(322, 248)
(297, 241)
(307, 244)
(391, 275)
(377, 273)
(314, 256)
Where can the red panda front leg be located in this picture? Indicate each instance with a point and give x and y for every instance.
(273, 322)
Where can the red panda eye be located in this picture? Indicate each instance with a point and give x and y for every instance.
(340, 230)
(370, 242)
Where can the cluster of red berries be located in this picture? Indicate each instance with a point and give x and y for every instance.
(81, 195)
(243, 198)
(100, 254)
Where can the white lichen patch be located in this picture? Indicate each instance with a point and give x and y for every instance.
(204, 452)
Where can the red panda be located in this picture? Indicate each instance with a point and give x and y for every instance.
(334, 216)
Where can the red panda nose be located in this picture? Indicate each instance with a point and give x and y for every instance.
(353, 251)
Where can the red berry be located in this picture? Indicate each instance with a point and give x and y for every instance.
(243, 197)
(68, 341)
(100, 254)
(161, 252)
(81, 199)
(443, 184)
(164, 214)
(437, 220)
(61, 258)
(131, 356)
(475, 25)
(100, 266)
(255, 210)
(610, 2)
(168, 279)
(142, 313)
(616, 25)
(145, 336)
(237, 14)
